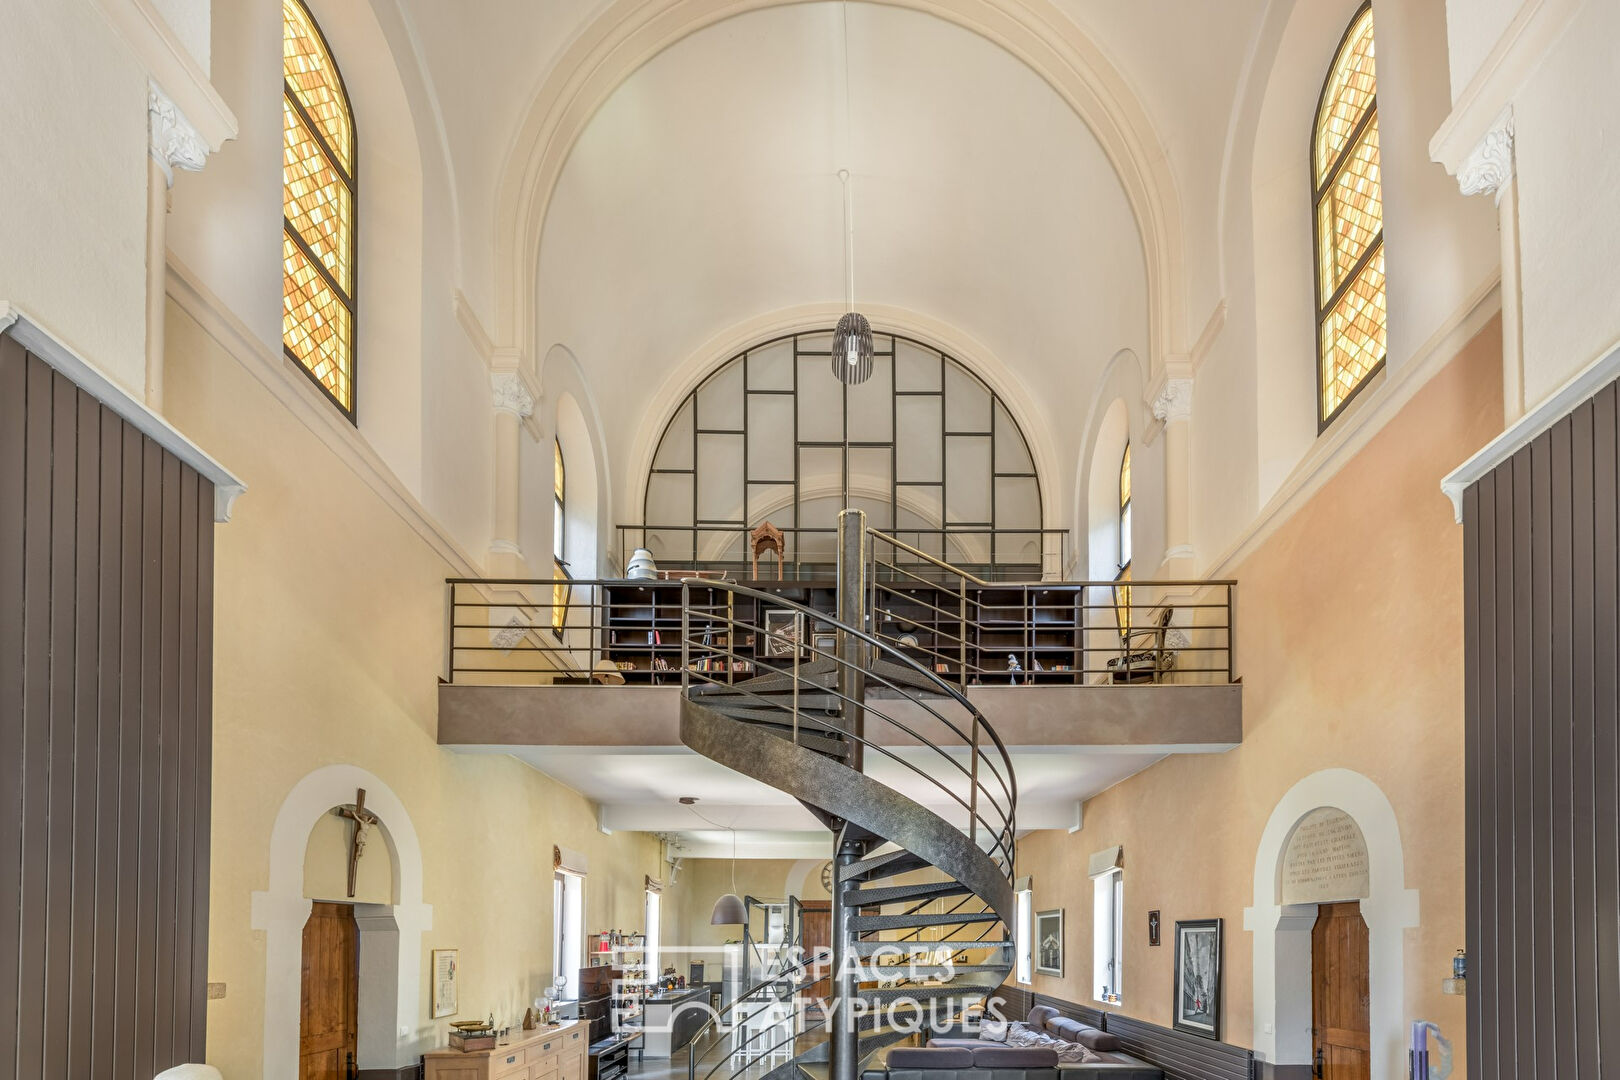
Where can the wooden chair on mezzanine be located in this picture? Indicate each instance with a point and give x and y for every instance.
(1145, 656)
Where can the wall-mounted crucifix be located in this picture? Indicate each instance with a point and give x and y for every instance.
(363, 819)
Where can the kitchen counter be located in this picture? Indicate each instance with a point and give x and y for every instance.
(669, 1020)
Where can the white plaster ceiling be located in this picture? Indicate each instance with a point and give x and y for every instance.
(639, 789)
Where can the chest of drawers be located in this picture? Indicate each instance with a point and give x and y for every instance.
(557, 1053)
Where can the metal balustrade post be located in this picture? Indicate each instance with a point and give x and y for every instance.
(844, 1051)
(852, 584)
(962, 629)
(686, 636)
(973, 792)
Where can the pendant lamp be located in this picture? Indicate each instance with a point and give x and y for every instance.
(852, 338)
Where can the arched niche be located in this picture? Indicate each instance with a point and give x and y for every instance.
(390, 934)
(1282, 932)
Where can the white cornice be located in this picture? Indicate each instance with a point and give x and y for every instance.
(171, 65)
(1376, 406)
(1553, 408)
(310, 407)
(101, 386)
(173, 142)
(1516, 55)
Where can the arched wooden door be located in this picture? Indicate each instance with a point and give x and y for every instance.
(1340, 1013)
(329, 999)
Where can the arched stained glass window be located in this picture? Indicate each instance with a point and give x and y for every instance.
(559, 536)
(1122, 591)
(318, 208)
(1351, 314)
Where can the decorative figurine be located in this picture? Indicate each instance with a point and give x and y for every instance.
(1013, 669)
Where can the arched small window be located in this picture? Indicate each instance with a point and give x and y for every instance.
(559, 538)
(1351, 313)
(1122, 591)
(318, 209)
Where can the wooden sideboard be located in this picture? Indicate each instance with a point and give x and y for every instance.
(556, 1053)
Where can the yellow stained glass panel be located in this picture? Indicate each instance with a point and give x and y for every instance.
(560, 588)
(1354, 334)
(313, 77)
(1348, 95)
(1122, 601)
(1125, 477)
(316, 325)
(558, 480)
(1350, 215)
(315, 199)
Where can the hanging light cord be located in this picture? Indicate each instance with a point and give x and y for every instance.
(844, 175)
(732, 829)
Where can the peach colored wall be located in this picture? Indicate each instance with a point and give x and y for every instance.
(1350, 651)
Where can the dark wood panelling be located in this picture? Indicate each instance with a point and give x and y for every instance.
(106, 564)
(1542, 643)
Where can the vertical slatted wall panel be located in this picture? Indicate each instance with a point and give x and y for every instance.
(1542, 641)
(106, 578)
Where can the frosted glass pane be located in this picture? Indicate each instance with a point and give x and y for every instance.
(770, 502)
(1012, 455)
(871, 415)
(675, 449)
(771, 367)
(669, 499)
(770, 437)
(917, 442)
(869, 485)
(821, 472)
(720, 399)
(967, 402)
(821, 402)
(967, 465)
(915, 368)
(1018, 504)
(720, 478)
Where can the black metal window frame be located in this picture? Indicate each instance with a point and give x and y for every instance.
(805, 347)
(351, 180)
(1319, 190)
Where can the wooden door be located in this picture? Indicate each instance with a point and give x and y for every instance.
(330, 993)
(816, 931)
(1340, 1018)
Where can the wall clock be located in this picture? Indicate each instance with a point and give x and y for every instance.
(827, 876)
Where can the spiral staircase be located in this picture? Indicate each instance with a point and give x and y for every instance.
(922, 894)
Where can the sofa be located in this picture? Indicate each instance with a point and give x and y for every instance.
(985, 1062)
(1084, 1051)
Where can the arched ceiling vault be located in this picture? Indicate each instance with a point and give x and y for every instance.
(627, 34)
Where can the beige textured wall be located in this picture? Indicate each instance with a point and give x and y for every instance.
(328, 645)
(1350, 650)
(326, 865)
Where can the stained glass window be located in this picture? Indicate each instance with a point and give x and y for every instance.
(1352, 317)
(1122, 592)
(559, 531)
(318, 203)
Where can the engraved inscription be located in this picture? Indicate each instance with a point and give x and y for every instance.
(1326, 860)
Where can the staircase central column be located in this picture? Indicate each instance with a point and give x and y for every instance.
(844, 1052)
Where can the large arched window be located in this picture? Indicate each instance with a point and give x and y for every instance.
(1122, 591)
(318, 208)
(559, 537)
(1352, 318)
(924, 447)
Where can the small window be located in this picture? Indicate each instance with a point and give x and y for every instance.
(650, 954)
(559, 535)
(1024, 934)
(568, 930)
(1352, 318)
(1122, 592)
(1108, 935)
(318, 199)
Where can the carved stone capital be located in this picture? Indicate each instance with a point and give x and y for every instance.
(510, 394)
(1489, 166)
(1174, 401)
(175, 143)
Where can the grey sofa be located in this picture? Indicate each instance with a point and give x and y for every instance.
(986, 1062)
(1112, 1063)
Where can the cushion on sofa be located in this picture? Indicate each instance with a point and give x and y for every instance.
(993, 1031)
(1013, 1057)
(954, 1044)
(930, 1057)
(1096, 1039)
(1061, 1027)
(1039, 1015)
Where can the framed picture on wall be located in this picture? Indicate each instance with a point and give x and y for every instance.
(784, 633)
(446, 980)
(1197, 1007)
(1049, 942)
(1153, 929)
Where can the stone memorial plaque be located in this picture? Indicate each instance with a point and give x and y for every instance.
(1325, 861)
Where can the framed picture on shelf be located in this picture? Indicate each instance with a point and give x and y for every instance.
(784, 634)
(1049, 942)
(446, 977)
(1198, 977)
(826, 644)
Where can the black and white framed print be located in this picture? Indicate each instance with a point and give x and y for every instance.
(1049, 942)
(1198, 977)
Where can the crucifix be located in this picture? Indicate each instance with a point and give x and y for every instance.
(363, 819)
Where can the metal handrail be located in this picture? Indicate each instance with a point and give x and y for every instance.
(942, 688)
(925, 557)
(725, 1007)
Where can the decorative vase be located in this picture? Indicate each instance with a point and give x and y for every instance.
(641, 566)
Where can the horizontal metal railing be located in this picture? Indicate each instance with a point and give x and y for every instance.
(968, 631)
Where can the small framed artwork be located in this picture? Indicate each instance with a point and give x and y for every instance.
(784, 634)
(1153, 929)
(446, 981)
(1049, 942)
(826, 644)
(1197, 1008)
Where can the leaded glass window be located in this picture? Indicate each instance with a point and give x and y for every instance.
(559, 535)
(1352, 315)
(1122, 591)
(318, 210)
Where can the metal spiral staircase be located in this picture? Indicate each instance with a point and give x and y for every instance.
(922, 898)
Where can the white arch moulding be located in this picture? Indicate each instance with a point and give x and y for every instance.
(1282, 934)
(629, 33)
(697, 365)
(281, 910)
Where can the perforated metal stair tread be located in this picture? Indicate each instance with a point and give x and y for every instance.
(876, 948)
(888, 894)
(888, 864)
(864, 923)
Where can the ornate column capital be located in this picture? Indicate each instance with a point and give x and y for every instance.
(174, 141)
(1489, 166)
(510, 393)
(1174, 401)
